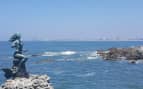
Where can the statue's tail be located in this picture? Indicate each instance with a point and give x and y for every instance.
(8, 72)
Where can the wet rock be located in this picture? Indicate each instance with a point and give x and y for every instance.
(33, 82)
(132, 61)
(131, 53)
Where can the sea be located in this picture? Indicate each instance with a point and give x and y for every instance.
(75, 64)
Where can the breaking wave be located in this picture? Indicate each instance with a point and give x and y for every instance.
(63, 53)
(91, 57)
(68, 53)
(67, 56)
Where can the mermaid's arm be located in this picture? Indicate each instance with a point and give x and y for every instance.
(13, 45)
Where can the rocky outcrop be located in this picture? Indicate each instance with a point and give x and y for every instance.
(33, 82)
(131, 53)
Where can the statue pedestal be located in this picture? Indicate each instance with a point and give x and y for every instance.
(33, 82)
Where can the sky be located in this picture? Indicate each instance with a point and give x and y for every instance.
(71, 19)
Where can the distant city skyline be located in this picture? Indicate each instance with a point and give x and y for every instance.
(83, 20)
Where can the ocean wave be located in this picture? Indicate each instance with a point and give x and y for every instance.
(50, 54)
(58, 72)
(91, 57)
(63, 53)
(68, 53)
(86, 74)
(94, 54)
(72, 55)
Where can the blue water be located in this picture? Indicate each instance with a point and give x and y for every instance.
(70, 67)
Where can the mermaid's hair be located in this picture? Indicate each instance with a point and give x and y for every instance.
(15, 37)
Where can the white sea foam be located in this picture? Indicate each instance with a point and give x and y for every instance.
(91, 57)
(50, 54)
(94, 54)
(68, 53)
(63, 53)
(139, 61)
(81, 55)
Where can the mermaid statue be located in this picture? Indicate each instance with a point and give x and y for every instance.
(18, 69)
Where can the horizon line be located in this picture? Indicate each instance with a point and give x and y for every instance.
(73, 40)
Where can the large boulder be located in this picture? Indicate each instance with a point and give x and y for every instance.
(131, 53)
(33, 82)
